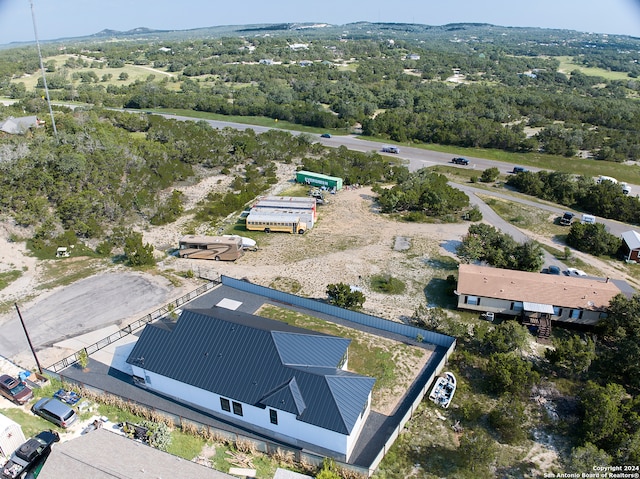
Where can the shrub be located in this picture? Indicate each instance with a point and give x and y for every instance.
(387, 284)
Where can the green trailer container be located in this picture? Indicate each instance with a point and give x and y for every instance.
(318, 179)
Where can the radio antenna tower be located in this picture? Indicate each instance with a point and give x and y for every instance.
(44, 78)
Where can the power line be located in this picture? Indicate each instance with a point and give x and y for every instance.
(44, 78)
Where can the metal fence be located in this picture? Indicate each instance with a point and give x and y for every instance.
(132, 327)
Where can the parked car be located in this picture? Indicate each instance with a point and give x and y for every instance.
(29, 455)
(553, 269)
(460, 161)
(325, 135)
(390, 149)
(55, 411)
(519, 169)
(567, 218)
(14, 389)
(574, 272)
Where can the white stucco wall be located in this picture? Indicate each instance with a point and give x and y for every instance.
(288, 426)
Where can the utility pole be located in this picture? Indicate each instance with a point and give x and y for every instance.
(33, 351)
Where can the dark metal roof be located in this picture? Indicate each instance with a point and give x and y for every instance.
(258, 361)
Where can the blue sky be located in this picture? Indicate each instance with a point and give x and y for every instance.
(70, 18)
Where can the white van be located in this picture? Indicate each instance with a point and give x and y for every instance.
(588, 219)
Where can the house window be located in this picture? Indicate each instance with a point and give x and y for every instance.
(225, 405)
(557, 311)
(364, 409)
(237, 408)
(273, 416)
(603, 316)
(575, 314)
(343, 361)
(517, 306)
(472, 300)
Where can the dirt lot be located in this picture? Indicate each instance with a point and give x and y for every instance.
(349, 243)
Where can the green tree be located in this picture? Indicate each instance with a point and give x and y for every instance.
(619, 345)
(602, 416)
(343, 296)
(136, 253)
(593, 239)
(476, 452)
(509, 373)
(490, 175)
(506, 337)
(573, 355)
(508, 418)
(584, 458)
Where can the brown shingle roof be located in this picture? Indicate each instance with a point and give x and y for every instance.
(557, 290)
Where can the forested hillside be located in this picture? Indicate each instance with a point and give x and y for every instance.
(110, 169)
(514, 89)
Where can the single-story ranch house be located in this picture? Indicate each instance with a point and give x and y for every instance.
(272, 378)
(581, 300)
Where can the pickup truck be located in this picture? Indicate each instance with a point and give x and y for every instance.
(29, 455)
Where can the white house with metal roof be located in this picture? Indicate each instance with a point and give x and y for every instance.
(285, 382)
(20, 125)
(582, 300)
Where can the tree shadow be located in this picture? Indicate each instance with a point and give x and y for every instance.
(437, 292)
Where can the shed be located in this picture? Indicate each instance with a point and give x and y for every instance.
(631, 246)
(11, 436)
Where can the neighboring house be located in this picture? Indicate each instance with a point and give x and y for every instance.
(102, 454)
(19, 126)
(631, 246)
(277, 380)
(413, 56)
(581, 300)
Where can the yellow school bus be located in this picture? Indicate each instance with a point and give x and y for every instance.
(272, 223)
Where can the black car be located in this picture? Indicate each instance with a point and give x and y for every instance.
(29, 455)
(460, 161)
(325, 135)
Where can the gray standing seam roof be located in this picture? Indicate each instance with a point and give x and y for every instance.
(258, 361)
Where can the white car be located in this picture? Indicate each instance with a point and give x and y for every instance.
(575, 272)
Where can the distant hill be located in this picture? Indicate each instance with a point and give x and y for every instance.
(469, 32)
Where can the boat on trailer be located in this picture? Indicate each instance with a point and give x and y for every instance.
(442, 392)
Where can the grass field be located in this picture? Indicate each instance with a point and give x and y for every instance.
(135, 72)
(567, 65)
